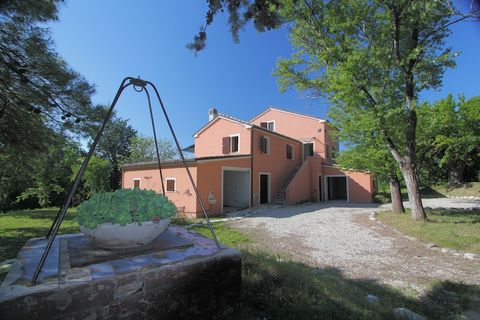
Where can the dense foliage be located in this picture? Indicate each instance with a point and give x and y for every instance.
(123, 207)
(371, 59)
(45, 109)
(449, 140)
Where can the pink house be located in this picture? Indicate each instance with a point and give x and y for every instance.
(277, 157)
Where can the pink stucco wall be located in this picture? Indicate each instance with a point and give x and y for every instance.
(290, 124)
(275, 163)
(209, 142)
(299, 188)
(208, 173)
(302, 128)
(210, 179)
(360, 184)
(183, 196)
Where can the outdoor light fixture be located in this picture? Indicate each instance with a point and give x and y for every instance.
(139, 85)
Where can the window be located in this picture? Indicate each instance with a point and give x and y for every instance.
(269, 125)
(265, 145)
(171, 184)
(308, 150)
(328, 152)
(289, 151)
(234, 143)
(231, 144)
(136, 183)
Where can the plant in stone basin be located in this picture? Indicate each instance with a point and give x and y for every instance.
(125, 206)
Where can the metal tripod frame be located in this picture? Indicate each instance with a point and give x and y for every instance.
(139, 85)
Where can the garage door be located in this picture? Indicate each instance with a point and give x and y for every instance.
(236, 189)
(337, 188)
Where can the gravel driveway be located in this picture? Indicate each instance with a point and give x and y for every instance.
(340, 235)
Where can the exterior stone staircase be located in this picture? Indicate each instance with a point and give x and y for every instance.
(281, 197)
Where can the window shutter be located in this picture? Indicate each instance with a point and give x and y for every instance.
(226, 145)
(263, 125)
(262, 144)
(170, 185)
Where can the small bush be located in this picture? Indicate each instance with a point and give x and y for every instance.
(123, 207)
(381, 198)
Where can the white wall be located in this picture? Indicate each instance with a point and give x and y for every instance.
(236, 188)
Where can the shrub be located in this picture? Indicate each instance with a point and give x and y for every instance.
(123, 207)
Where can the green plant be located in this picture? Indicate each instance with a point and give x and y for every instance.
(123, 207)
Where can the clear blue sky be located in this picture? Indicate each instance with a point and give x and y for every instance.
(108, 40)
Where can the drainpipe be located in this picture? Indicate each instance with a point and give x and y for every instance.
(251, 167)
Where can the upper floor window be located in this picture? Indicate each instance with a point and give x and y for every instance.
(289, 151)
(308, 150)
(265, 145)
(234, 143)
(171, 184)
(231, 144)
(269, 125)
(327, 152)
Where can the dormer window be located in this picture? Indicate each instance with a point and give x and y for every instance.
(269, 125)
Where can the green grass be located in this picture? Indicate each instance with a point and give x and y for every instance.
(440, 191)
(466, 190)
(452, 229)
(16, 227)
(225, 235)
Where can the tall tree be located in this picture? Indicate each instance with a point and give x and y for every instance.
(34, 79)
(115, 145)
(368, 151)
(96, 177)
(40, 95)
(372, 58)
(143, 150)
(50, 172)
(377, 160)
(449, 133)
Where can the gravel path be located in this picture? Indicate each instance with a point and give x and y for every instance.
(340, 235)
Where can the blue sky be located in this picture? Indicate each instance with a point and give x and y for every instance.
(108, 40)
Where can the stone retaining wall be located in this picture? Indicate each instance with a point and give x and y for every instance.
(200, 287)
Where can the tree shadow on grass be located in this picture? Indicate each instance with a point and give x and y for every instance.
(461, 216)
(428, 192)
(275, 288)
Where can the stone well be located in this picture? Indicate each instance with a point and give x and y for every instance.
(180, 275)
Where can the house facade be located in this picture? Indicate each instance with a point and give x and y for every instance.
(277, 157)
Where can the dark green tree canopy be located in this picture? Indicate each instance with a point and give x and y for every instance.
(371, 59)
(36, 84)
(263, 13)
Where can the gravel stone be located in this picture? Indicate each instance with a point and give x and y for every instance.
(340, 235)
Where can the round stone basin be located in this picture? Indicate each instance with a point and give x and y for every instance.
(115, 236)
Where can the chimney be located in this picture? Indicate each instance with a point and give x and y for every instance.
(212, 114)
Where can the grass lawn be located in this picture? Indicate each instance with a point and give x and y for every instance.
(16, 227)
(465, 190)
(452, 229)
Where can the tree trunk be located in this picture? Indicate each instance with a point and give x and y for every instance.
(455, 173)
(396, 194)
(414, 196)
